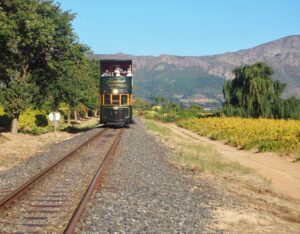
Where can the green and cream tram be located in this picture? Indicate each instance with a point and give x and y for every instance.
(116, 92)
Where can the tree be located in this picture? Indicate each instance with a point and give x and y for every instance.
(88, 74)
(36, 37)
(292, 108)
(80, 86)
(16, 98)
(252, 93)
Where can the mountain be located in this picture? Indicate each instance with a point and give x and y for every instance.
(200, 79)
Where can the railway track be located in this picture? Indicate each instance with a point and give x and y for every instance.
(53, 200)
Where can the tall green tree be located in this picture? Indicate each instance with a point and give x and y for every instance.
(89, 76)
(36, 37)
(252, 93)
(292, 108)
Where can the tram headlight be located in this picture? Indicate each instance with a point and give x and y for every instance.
(115, 91)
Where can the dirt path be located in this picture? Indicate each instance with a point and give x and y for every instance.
(283, 174)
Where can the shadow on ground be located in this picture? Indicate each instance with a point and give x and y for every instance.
(74, 130)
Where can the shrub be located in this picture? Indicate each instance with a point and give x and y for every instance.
(31, 119)
(156, 108)
(150, 114)
(64, 109)
(168, 117)
(5, 121)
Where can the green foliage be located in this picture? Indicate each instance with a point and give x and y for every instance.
(165, 104)
(169, 117)
(41, 62)
(191, 112)
(254, 94)
(297, 160)
(32, 119)
(4, 120)
(141, 105)
(87, 87)
(167, 111)
(150, 114)
(291, 107)
(64, 109)
(16, 97)
(156, 108)
(2, 112)
(31, 38)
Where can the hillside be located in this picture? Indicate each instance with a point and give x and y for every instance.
(200, 79)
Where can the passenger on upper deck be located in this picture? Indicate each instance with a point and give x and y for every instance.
(106, 73)
(129, 72)
(117, 71)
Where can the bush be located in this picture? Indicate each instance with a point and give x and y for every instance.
(5, 121)
(32, 119)
(150, 114)
(65, 110)
(168, 117)
(156, 108)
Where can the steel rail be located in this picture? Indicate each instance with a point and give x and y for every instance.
(70, 229)
(20, 190)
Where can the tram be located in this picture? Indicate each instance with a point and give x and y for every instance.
(116, 92)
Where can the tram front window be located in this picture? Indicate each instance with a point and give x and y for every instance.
(115, 99)
(106, 99)
(124, 100)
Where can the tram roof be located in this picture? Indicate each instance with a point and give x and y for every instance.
(115, 60)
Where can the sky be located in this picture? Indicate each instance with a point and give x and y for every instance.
(181, 27)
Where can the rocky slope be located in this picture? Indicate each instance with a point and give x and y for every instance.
(203, 76)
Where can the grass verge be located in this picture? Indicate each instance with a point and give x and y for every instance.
(194, 156)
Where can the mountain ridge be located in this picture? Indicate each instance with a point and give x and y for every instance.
(283, 55)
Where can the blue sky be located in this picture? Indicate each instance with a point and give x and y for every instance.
(181, 27)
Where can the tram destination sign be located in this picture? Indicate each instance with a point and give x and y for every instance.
(122, 83)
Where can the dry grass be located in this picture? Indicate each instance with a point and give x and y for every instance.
(15, 148)
(194, 156)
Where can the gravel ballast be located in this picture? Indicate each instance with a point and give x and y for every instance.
(142, 192)
(20, 173)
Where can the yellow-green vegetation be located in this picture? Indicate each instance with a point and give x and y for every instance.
(263, 134)
(173, 112)
(36, 122)
(150, 114)
(297, 160)
(194, 155)
(2, 111)
(30, 119)
(4, 120)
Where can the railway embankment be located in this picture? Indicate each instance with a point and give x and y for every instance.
(143, 193)
(263, 187)
(152, 187)
(46, 201)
